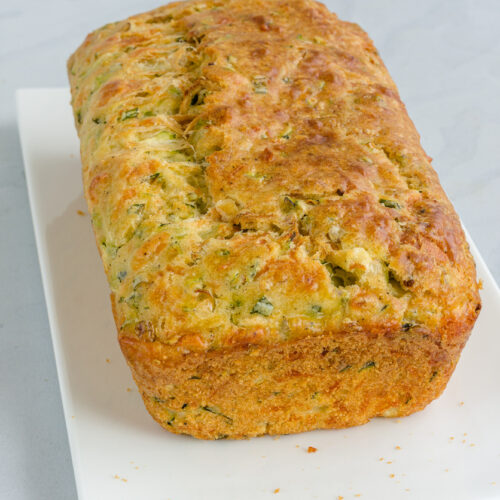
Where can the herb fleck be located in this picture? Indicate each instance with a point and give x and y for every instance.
(174, 91)
(136, 208)
(263, 307)
(130, 113)
(316, 310)
(390, 203)
(260, 84)
(217, 412)
(289, 204)
(369, 364)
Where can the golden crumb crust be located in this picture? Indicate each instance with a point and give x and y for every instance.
(280, 253)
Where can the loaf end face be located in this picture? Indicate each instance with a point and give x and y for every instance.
(330, 381)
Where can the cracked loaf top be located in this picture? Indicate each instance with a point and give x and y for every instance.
(253, 178)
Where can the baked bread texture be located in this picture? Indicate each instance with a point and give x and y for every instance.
(280, 253)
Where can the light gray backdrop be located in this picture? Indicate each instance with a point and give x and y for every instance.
(443, 55)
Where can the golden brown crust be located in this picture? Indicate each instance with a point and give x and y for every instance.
(327, 381)
(254, 180)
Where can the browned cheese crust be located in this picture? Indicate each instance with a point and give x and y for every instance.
(280, 253)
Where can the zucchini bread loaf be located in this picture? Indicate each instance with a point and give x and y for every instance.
(280, 253)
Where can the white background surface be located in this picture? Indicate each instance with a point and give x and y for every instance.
(445, 59)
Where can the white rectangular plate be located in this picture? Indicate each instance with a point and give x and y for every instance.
(451, 450)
